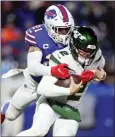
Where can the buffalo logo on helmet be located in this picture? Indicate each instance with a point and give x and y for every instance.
(51, 14)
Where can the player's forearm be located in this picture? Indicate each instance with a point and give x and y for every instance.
(48, 88)
(53, 91)
(34, 65)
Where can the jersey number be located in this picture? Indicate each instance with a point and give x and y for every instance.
(37, 28)
(63, 53)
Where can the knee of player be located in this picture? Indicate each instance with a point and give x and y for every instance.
(10, 116)
(11, 113)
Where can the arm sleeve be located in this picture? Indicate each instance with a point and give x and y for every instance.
(34, 64)
(34, 58)
(48, 88)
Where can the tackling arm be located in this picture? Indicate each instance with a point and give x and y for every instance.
(48, 88)
(37, 69)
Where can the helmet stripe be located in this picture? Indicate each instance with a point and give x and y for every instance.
(64, 12)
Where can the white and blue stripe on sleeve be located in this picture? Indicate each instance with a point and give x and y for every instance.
(30, 38)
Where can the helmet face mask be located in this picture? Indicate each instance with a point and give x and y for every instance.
(85, 53)
(58, 28)
(83, 45)
(62, 30)
(58, 36)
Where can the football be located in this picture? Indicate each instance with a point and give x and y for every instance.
(66, 82)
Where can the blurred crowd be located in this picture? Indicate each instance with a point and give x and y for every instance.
(17, 16)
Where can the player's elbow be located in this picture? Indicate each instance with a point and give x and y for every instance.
(33, 62)
(41, 89)
(31, 67)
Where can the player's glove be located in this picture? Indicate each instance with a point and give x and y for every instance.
(60, 71)
(87, 75)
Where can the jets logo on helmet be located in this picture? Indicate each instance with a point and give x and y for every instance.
(59, 23)
(77, 34)
(51, 14)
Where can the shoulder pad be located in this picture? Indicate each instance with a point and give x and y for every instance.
(30, 36)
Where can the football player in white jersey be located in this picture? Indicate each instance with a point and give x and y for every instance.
(56, 106)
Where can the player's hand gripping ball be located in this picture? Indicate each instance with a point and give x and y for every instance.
(85, 77)
(66, 82)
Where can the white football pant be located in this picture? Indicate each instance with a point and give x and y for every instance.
(45, 117)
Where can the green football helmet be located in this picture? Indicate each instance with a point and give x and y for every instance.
(83, 45)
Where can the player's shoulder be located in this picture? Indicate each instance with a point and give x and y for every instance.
(60, 55)
(98, 60)
(63, 51)
(32, 32)
(98, 56)
(35, 29)
(34, 35)
(30, 35)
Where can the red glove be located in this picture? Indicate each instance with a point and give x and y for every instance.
(60, 71)
(87, 75)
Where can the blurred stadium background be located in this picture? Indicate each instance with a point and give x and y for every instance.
(97, 108)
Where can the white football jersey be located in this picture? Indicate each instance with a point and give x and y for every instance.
(65, 56)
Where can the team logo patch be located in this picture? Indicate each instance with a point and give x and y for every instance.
(51, 14)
